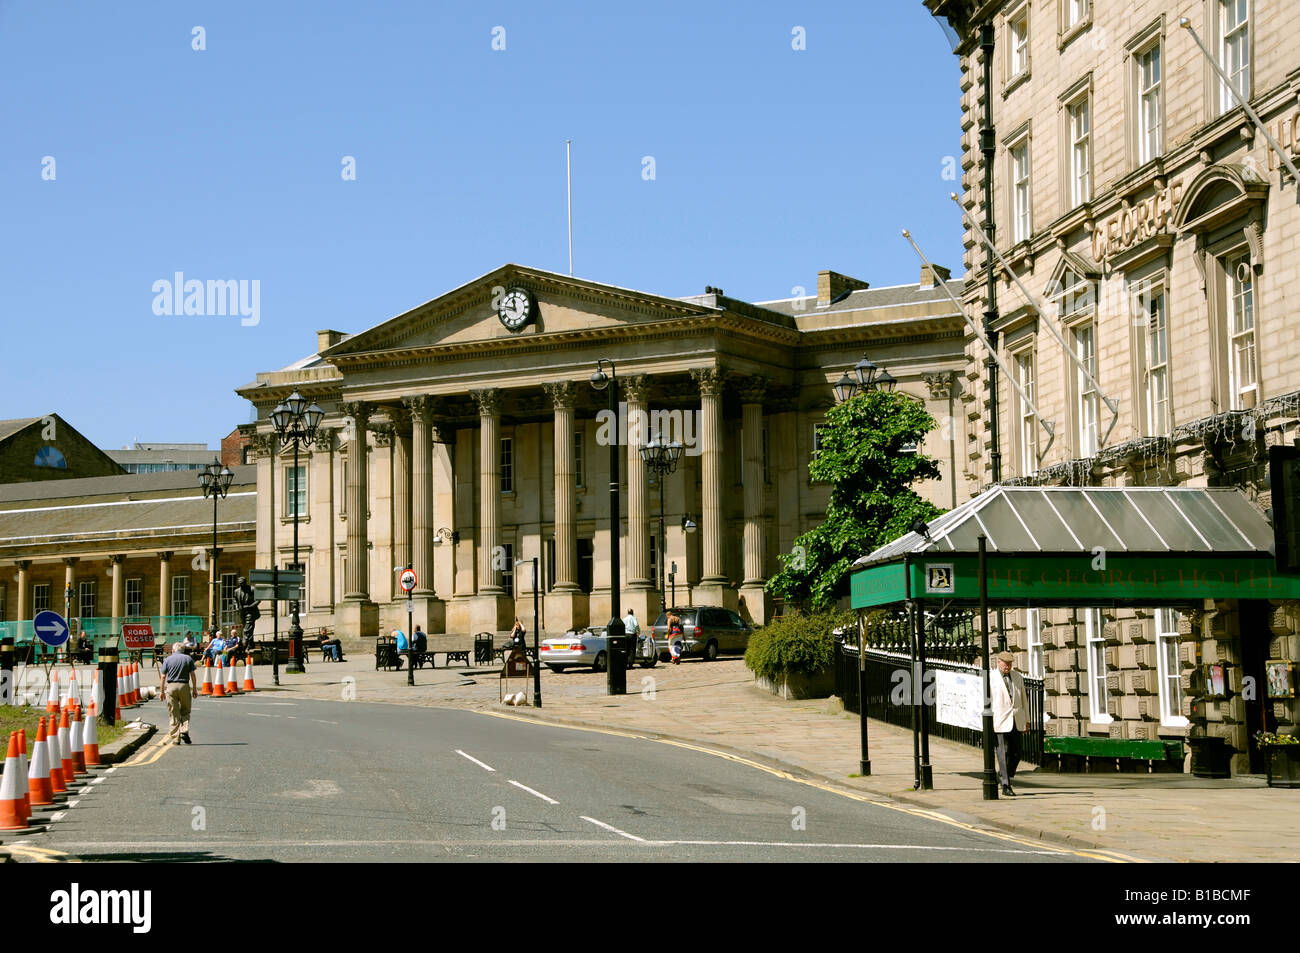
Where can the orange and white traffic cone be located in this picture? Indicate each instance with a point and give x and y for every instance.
(90, 737)
(218, 686)
(232, 686)
(52, 703)
(11, 795)
(22, 774)
(132, 696)
(58, 781)
(78, 748)
(65, 748)
(74, 690)
(39, 788)
(248, 674)
(207, 677)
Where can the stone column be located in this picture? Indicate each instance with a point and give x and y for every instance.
(430, 612)
(752, 592)
(359, 616)
(402, 501)
(24, 595)
(567, 603)
(119, 583)
(164, 586)
(322, 508)
(639, 588)
(493, 610)
(713, 588)
(70, 585)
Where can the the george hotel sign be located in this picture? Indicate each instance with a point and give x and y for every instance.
(1136, 223)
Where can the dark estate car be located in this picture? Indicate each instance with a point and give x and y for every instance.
(707, 630)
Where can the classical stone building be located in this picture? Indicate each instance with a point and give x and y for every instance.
(1157, 234)
(464, 435)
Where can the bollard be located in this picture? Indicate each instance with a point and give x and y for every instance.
(108, 681)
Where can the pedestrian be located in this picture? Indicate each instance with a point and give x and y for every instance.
(633, 628)
(1010, 716)
(216, 646)
(401, 644)
(179, 686)
(676, 638)
(517, 635)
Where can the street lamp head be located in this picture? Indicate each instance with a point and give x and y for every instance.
(688, 524)
(599, 380)
(312, 417)
(845, 388)
(866, 372)
(282, 419)
(225, 478)
(674, 450)
(650, 452)
(885, 381)
(296, 404)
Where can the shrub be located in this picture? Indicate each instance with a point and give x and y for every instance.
(795, 644)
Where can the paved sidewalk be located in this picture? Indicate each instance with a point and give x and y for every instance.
(1148, 817)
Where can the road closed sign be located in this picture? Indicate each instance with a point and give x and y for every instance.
(408, 579)
(137, 635)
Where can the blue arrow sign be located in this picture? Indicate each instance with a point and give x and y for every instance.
(51, 628)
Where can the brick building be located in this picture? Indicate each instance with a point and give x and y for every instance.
(1155, 231)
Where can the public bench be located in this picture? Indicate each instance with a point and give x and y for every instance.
(1111, 755)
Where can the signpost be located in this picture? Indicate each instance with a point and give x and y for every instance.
(51, 628)
(407, 582)
(272, 585)
(137, 635)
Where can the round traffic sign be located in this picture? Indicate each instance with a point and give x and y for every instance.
(408, 579)
(50, 628)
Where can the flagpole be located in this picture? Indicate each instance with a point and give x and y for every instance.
(568, 162)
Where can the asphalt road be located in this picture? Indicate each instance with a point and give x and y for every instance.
(282, 780)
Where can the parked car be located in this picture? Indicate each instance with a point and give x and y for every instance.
(582, 647)
(707, 631)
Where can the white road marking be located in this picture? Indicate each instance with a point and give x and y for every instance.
(524, 787)
(97, 781)
(475, 760)
(58, 815)
(324, 722)
(111, 770)
(74, 803)
(261, 714)
(610, 827)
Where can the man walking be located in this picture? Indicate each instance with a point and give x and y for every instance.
(1010, 715)
(179, 686)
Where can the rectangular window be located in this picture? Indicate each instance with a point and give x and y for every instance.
(1028, 420)
(229, 609)
(295, 492)
(1234, 51)
(818, 429)
(1150, 122)
(507, 465)
(1021, 212)
(1076, 11)
(134, 596)
(508, 573)
(1080, 154)
(86, 591)
(550, 564)
(40, 597)
(1018, 28)
(1170, 669)
(302, 590)
(1242, 374)
(579, 460)
(1085, 347)
(1034, 627)
(180, 595)
(1155, 357)
(1098, 693)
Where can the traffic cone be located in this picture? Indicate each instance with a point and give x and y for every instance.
(78, 749)
(207, 677)
(65, 749)
(218, 686)
(74, 690)
(11, 795)
(248, 674)
(52, 704)
(22, 774)
(58, 781)
(90, 738)
(38, 775)
(132, 698)
(232, 686)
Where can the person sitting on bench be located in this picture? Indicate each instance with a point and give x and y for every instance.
(401, 645)
(332, 648)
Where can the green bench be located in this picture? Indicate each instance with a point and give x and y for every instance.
(1111, 755)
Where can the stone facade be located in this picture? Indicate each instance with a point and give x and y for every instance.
(1156, 232)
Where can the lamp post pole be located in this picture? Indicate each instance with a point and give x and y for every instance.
(615, 674)
(537, 650)
(215, 480)
(662, 458)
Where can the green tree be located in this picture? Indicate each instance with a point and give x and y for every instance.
(872, 500)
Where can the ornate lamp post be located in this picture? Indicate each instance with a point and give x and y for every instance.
(615, 673)
(662, 458)
(870, 377)
(215, 480)
(295, 423)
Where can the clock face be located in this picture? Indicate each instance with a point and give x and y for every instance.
(516, 308)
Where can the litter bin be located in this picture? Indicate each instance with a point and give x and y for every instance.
(619, 646)
(1210, 757)
(483, 648)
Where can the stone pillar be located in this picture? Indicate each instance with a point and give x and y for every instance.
(358, 616)
(754, 596)
(402, 500)
(713, 588)
(119, 583)
(70, 586)
(430, 611)
(638, 590)
(24, 594)
(322, 508)
(567, 604)
(492, 610)
(164, 586)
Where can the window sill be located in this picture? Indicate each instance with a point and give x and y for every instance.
(1101, 723)
(288, 520)
(1014, 82)
(1065, 39)
(1175, 724)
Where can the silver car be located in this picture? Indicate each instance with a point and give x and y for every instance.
(582, 647)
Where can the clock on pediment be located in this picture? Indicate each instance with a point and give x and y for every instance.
(517, 308)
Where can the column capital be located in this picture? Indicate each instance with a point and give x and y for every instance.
(324, 441)
(420, 407)
(263, 444)
(489, 401)
(940, 384)
(384, 434)
(711, 380)
(563, 394)
(23, 564)
(358, 410)
(399, 419)
(117, 559)
(636, 388)
(165, 556)
(752, 389)
(70, 560)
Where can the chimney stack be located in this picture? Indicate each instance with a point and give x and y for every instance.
(927, 275)
(831, 286)
(326, 340)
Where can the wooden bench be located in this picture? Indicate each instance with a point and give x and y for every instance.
(1110, 755)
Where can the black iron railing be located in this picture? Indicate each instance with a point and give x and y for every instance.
(888, 699)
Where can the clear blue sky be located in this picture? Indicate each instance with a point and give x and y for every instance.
(225, 163)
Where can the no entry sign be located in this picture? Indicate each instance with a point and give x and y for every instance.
(408, 579)
(137, 635)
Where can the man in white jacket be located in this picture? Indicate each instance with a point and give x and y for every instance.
(1010, 715)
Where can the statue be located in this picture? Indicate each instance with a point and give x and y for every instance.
(246, 600)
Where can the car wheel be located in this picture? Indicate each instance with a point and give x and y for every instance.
(599, 664)
(650, 662)
(711, 651)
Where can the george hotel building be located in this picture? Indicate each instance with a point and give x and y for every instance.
(463, 437)
(1157, 233)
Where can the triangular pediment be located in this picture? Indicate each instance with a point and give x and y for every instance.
(560, 305)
